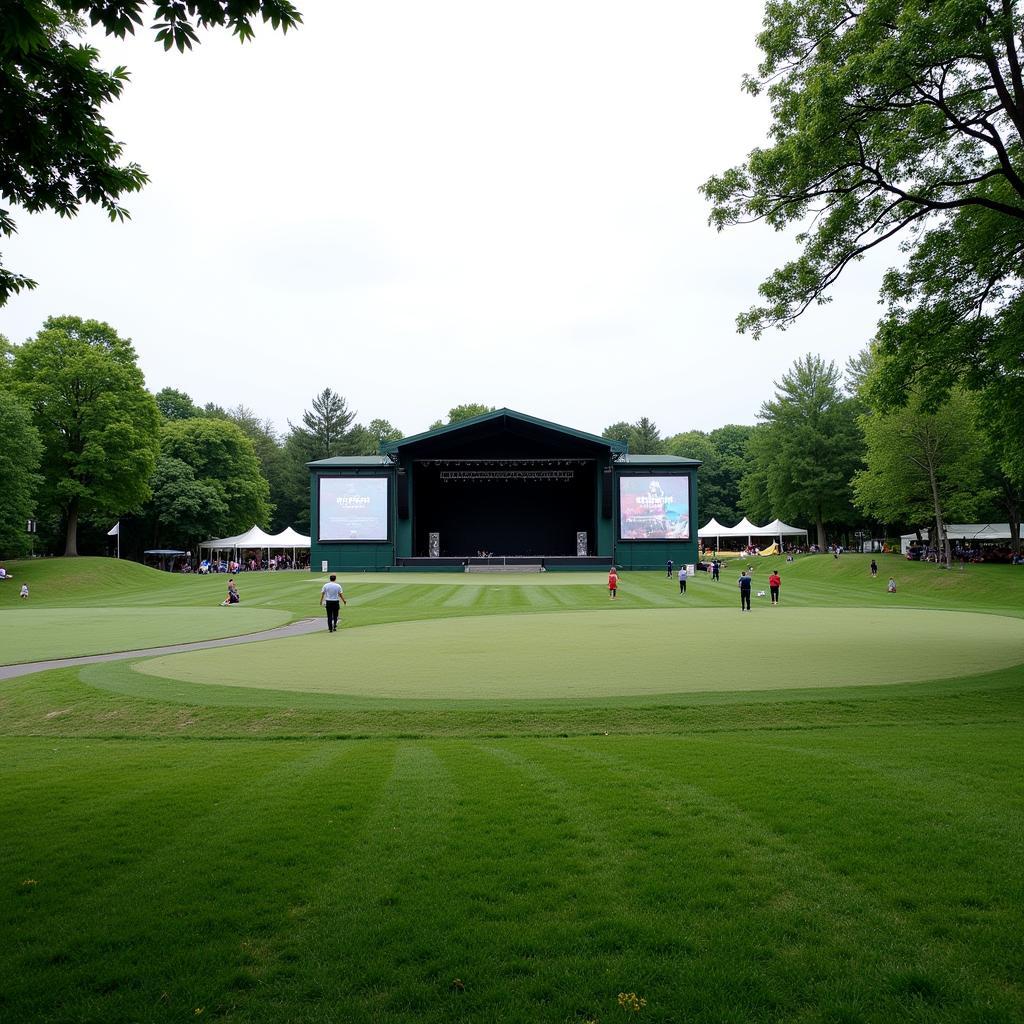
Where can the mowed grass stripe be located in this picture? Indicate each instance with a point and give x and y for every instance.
(763, 895)
(247, 833)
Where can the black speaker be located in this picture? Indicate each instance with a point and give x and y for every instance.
(606, 495)
(403, 495)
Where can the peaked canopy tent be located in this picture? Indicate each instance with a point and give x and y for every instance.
(713, 529)
(778, 529)
(745, 528)
(287, 540)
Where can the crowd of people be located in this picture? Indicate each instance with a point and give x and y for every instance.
(253, 563)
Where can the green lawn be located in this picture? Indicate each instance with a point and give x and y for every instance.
(729, 840)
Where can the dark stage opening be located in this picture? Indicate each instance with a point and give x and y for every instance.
(511, 507)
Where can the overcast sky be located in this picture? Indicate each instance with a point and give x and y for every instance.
(421, 205)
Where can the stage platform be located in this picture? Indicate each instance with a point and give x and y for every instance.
(526, 563)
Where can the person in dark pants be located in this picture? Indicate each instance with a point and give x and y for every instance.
(332, 598)
(715, 567)
(668, 569)
(774, 582)
(682, 579)
(744, 592)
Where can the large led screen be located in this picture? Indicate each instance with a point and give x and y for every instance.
(654, 508)
(353, 508)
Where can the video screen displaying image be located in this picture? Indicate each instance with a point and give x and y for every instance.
(654, 508)
(353, 508)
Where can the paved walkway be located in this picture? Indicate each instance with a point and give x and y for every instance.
(299, 628)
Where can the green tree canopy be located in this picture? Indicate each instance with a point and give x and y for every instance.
(57, 151)
(183, 510)
(19, 459)
(923, 465)
(175, 405)
(642, 437)
(223, 459)
(805, 451)
(97, 422)
(325, 426)
(895, 119)
(462, 412)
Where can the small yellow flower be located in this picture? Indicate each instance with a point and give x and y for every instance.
(30, 882)
(631, 1002)
(198, 1010)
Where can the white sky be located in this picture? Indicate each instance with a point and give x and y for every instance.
(421, 205)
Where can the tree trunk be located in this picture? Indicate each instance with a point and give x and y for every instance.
(821, 534)
(71, 538)
(941, 540)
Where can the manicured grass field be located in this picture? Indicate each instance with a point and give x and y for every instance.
(38, 633)
(395, 831)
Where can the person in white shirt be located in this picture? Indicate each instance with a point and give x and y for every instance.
(332, 598)
(682, 579)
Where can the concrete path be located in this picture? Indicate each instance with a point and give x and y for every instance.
(299, 628)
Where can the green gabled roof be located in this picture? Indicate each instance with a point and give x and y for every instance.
(391, 447)
(657, 460)
(351, 461)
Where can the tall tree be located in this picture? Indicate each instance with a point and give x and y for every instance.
(57, 151)
(807, 449)
(461, 413)
(895, 120)
(184, 510)
(175, 405)
(97, 422)
(19, 459)
(646, 438)
(325, 425)
(223, 460)
(923, 464)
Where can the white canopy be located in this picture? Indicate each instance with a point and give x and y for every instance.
(777, 528)
(966, 531)
(252, 538)
(744, 528)
(257, 538)
(713, 528)
(288, 538)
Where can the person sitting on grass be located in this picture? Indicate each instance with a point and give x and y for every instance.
(232, 597)
(24, 591)
(892, 585)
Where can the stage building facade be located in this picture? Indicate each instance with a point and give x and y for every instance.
(503, 487)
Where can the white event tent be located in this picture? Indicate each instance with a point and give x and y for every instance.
(745, 529)
(286, 540)
(777, 528)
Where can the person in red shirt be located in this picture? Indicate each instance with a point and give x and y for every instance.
(774, 582)
(613, 583)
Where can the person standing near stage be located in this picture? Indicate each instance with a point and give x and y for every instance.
(774, 582)
(332, 598)
(613, 583)
(744, 583)
(668, 569)
(682, 579)
(715, 569)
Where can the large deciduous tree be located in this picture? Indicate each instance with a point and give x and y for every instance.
(19, 459)
(97, 422)
(223, 460)
(459, 413)
(923, 465)
(805, 450)
(57, 152)
(897, 120)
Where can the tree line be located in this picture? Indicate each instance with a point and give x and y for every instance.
(86, 443)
